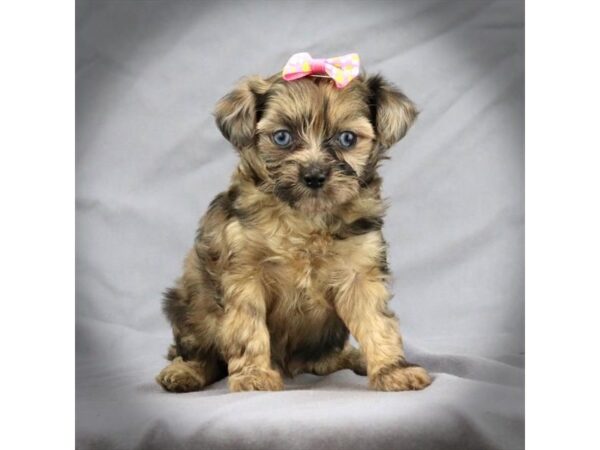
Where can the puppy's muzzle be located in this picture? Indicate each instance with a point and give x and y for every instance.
(314, 176)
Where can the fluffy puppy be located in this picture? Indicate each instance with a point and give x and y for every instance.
(291, 259)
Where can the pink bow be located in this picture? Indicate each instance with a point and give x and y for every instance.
(342, 69)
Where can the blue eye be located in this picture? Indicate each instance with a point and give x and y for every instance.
(282, 138)
(347, 139)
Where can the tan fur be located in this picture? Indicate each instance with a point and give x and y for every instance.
(348, 358)
(280, 273)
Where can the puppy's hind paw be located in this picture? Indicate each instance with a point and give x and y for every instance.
(403, 377)
(255, 379)
(180, 377)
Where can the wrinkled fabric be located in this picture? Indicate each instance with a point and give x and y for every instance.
(149, 159)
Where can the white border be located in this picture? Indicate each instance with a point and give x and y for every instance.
(562, 224)
(37, 224)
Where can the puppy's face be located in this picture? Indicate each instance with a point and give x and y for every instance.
(310, 144)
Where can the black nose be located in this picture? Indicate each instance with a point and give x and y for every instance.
(314, 177)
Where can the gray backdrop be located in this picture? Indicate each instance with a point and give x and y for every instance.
(149, 160)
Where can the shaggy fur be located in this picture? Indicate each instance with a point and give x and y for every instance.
(280, 273)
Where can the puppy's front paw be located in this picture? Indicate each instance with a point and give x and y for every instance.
(255, 379)
(400, 377)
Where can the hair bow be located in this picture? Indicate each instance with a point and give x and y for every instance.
(342, 69)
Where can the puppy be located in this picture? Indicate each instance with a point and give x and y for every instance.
(291, 259)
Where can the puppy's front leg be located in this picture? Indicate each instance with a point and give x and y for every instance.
(245, 338)
(361, 302)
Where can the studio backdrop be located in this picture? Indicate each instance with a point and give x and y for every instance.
(149, 159)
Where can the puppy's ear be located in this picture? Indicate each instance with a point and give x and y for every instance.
(392, 112)
(236, 114)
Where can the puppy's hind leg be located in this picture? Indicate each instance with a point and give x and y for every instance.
(348, 358)
(188, 376)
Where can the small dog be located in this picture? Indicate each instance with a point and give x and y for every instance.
(291, 259)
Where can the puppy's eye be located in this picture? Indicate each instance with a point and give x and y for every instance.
(282, 138)
(347, 139)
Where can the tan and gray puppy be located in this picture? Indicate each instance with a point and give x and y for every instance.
(290, 259)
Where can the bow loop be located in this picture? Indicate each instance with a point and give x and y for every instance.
(342, 69)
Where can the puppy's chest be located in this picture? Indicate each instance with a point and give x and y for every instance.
(298, 288)
(302, 261)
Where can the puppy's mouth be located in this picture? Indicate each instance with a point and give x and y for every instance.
(314, 188)
(295, 194)
(307, 199)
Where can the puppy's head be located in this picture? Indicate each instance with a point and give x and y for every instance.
(310, 144)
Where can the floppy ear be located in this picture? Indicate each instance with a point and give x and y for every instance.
(392, 112)
(236, 113)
